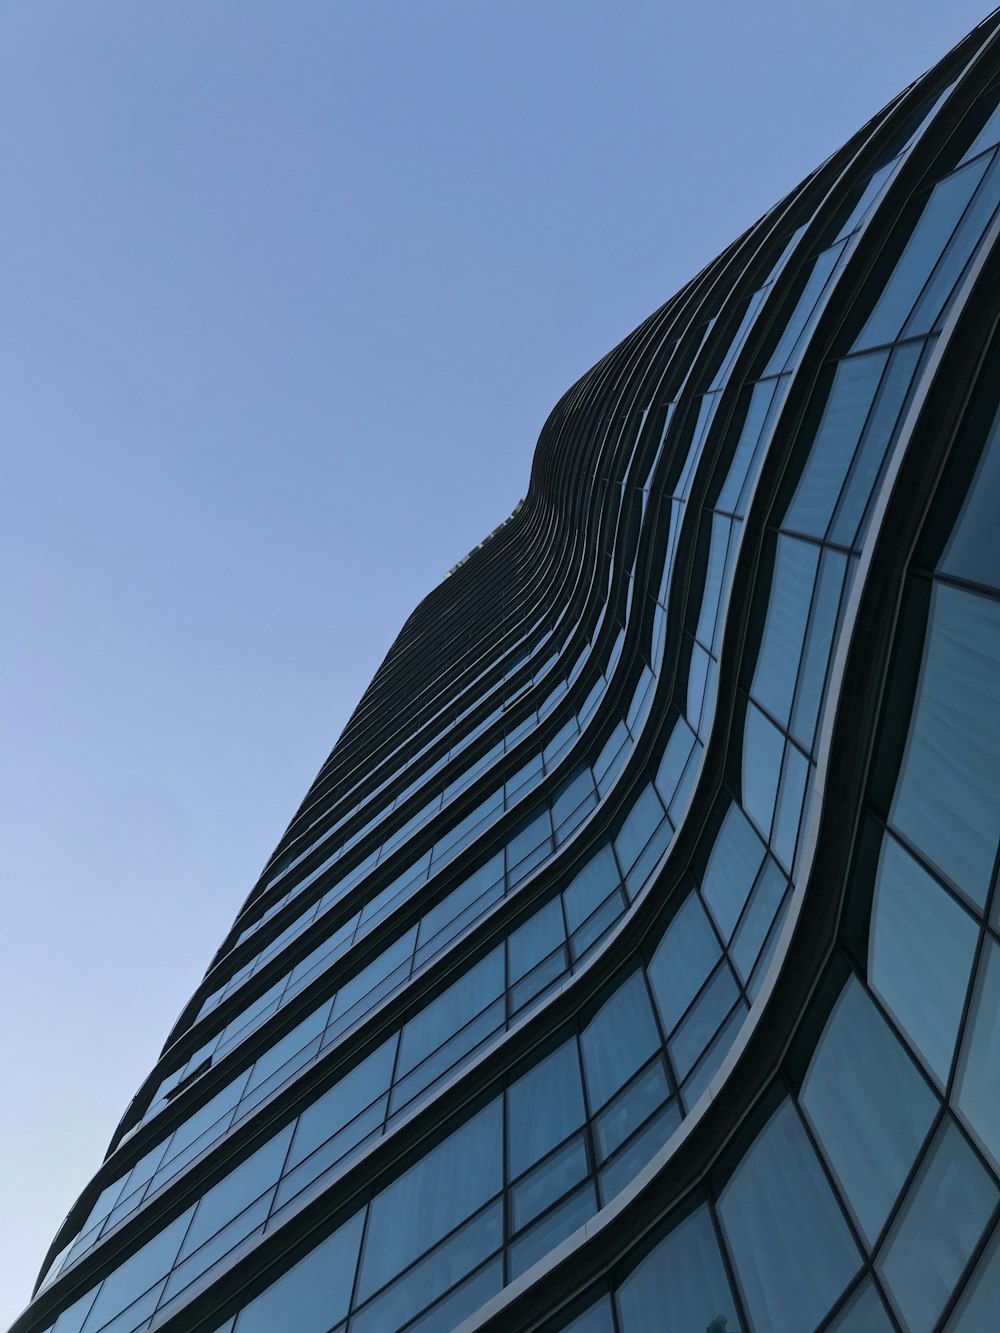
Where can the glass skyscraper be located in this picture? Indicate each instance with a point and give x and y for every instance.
(633, 963)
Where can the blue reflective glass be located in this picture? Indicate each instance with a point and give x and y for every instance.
(572, 793)
(440, 1019)
(731, 870)
(682, 961)
(977, 1091)
(928, 239)
(630, 1108)
(618, 1039)
(468, 1296)
(790, 338)
(980, 1303)
(237, 1190)
(597, 1319)
(146, 1268)
(947, 799)
(543, 1107)
(318, 1288)
(788, 813)
(431, 1198)
(746, 446)
(785, 626)
(335, 1108)
(973, 551)
(941, 1220)
(433, 1275)
(920, 955)
(868, 1106)
(704, 1020)
(638, 827)
(864, 1313)
(763, 906)
(851, 396)
(819, 640)
(638, 1151)
(549, 1181)
(551, 1230)
(793, 1252)
(590, 886)
(763, 748)
(933, 300)
(535, 940)
(680, 1285)
(710, 1063)
(846, 528)
(674, 758)
(718, 546)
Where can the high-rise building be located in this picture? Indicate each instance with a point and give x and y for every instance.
(633, 962)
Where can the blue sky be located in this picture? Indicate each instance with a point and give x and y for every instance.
(288, 289)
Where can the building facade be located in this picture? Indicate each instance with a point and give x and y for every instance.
(633, 962)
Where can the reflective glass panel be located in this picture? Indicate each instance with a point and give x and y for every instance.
(920, 955)
(793, 1252)
(942, 1218)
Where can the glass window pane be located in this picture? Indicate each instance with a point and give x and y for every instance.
(978, 1086)
(931, 234)
(732, 868)
(639, 825)
(851, 396)
(330, 1112)
(793, 1252)
(549, 1181)
(785, 625)
(597, 1319)
(942, 1219)
(237, 1190)
(318, 1288)
(638, 1151)
(589, 888)
(978, 1307)
(920, 955)
(680, 1285)
(619, 1038)
(434, 1274)
(868, 1106)
(630, 1108)
(441, 1019)
(875, 444)
(947, 800)
(682, 961)
(764, 903)
(864, 1313)
(551, 1230)
(138, 1273)
(704, 1020)
(434, 1195)
(973, 552)
(763, 748)
(819, 639)
(968, 234)
(806, 304)
(458, 1304)
(674, 759)
(543, 1107)
(535, 940)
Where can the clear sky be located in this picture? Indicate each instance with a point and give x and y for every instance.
(288, 288)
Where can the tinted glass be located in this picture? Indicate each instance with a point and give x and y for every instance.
(947, 801)
(793, 1252)
(920, 955)
(681, 1284)
(868, 1105)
